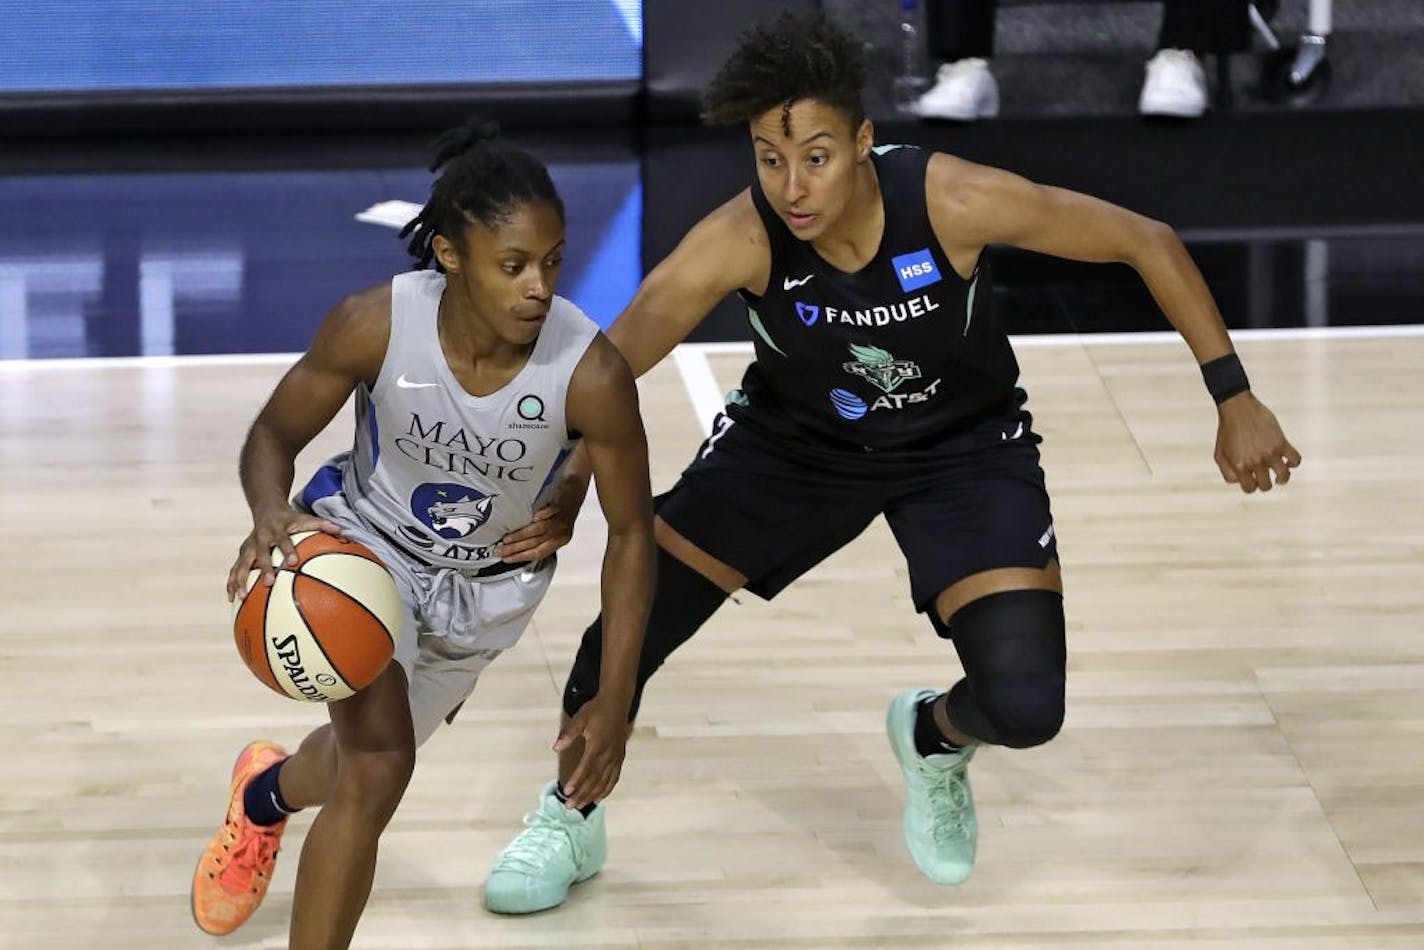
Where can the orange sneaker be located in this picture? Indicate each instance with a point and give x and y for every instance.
(236, 866)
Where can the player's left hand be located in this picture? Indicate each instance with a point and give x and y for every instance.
(1250, 446)
(603, 726)
(552, 526)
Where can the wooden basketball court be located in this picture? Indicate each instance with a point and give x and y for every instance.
(1242, 766)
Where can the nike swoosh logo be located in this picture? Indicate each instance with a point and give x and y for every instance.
(273, 796)
(404, 383)
(787, 283)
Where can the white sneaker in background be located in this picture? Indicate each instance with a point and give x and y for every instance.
(1175, 85)
(964, 90)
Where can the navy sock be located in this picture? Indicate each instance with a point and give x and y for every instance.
(564, 800)
(928, 739)
(262, 799)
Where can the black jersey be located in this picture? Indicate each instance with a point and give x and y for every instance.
(898, 354)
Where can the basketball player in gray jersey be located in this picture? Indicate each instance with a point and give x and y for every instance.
(473, 382)
(883, 384)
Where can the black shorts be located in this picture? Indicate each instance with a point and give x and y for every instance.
(773, 508)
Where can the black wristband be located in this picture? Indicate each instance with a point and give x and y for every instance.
(1225, 377)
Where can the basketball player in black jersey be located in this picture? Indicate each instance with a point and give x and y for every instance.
(882, 384)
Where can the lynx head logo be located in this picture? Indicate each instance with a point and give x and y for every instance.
(451, 511)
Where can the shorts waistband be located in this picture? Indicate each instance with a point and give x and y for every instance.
(490, 570)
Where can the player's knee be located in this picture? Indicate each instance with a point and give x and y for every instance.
(1014, 656)
(1024, 711)
(376, 780)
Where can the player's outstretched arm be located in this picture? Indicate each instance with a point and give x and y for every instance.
(348, 348)
(972, 206)
(603, 407)
(726, 251)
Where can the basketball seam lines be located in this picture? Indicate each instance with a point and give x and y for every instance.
(297, 603)
(267, 655)
(374, 616)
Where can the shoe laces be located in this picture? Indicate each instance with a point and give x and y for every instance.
(248, 855)
(544, 836)
(1178, 62)
(948, 794)
(950, 71)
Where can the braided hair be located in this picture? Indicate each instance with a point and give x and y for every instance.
(483, 180)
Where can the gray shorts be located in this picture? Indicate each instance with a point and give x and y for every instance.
(454, 625)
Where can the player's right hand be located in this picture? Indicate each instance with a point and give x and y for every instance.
(271, 530)
(602, 724)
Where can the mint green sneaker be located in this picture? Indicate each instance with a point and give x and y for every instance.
(557, 849)
(941, 831)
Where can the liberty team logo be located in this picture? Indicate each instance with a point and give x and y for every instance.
(885, 373)
(451, 511)
(879, 368)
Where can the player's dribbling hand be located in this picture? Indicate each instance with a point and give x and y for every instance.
(271, 530)
(552, 527)
(603, 726)
(1250, 445)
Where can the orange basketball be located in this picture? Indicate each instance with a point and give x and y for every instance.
(327, 626)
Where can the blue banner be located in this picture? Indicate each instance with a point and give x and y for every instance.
(78, 45)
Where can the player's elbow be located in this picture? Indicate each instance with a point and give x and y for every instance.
(630, 532)
(268, 428)
(270, 438)
(1159, 232)
(1148, 240)
(632, 526)
(262, 433)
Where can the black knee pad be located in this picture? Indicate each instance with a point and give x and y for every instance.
(1013, 649)
(683, 600)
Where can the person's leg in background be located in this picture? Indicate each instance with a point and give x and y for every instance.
(961, 40)
(1176, 82)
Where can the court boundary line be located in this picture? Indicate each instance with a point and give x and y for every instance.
(706, 397)
(1151, 337)
(700, 382)
(691, 359)
(148, 362)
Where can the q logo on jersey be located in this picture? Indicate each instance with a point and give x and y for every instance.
(531, 411)
(915, 270)
(451, 511)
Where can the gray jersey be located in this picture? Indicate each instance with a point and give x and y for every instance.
(444, 474)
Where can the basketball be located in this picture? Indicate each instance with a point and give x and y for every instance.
(327, 626)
